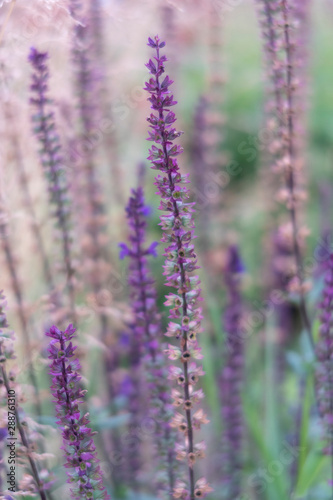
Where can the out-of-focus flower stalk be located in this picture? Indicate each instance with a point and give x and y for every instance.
(287, 313)
(112, 364)
(96, 263)
(26, 196)
(178, 227)
(7, 353)
(52, 162)
(213, 134)
(146, 328)
(324, 372)
(232, 380)
(94, 239)
(199, 172)
(81, 458)
(103, 98)
(170, 31)
(21, 311)
(135, 394)
(278, 22)
(290, 178)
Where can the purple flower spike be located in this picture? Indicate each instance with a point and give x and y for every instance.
(146, 328)
(81, 458)
(143, 294)
(232, 378)
(181, 261)
(52, 163)
(324, 351)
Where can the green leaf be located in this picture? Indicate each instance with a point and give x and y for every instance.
(314, 464)
(210, 361)
(277, 488)
(304, 431)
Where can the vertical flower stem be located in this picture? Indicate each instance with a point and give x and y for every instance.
(23, 436)
(61, 212)
(180, 262)
(324, 350)
(52, 164)
(146, 329)
(85, 475)
(184, 346)
(27, 200)
(290, 174)
(7, 248)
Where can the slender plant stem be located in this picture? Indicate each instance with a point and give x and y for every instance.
(190, 446)
(24, 438)
(170, 458)
(20, 309)
(28, 203)
(61, 211)
(290, 181)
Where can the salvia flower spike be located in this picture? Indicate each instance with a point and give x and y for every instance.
(147, 328)
(324, 352)
(232, 378)
(181, 261)
(279, 20)
(84, 473)
(52, 162)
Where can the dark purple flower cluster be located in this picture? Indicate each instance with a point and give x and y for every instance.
(232, 378)
(324, 351)
(143, 294)
(80, 452)
(52, 162)
(181, 261)
(146, 328)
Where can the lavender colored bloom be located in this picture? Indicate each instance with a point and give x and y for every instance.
(324, 351)
(80, 452)
(143, 294)
(181, 261)
(139, 296)
(146, 328)
(52, 161)
(281, 24)
(232, 378)
(199, 169)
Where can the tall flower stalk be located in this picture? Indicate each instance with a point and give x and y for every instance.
(81, 458)
(181, 261)
(94, 238)
(16, 286)
(103, 101)
(324, 372)
(52, 162)
(8, 381)
(26, 196)
(282, 45)
(146, 330)
(290, 147)
(198, 160)
(232, 378)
